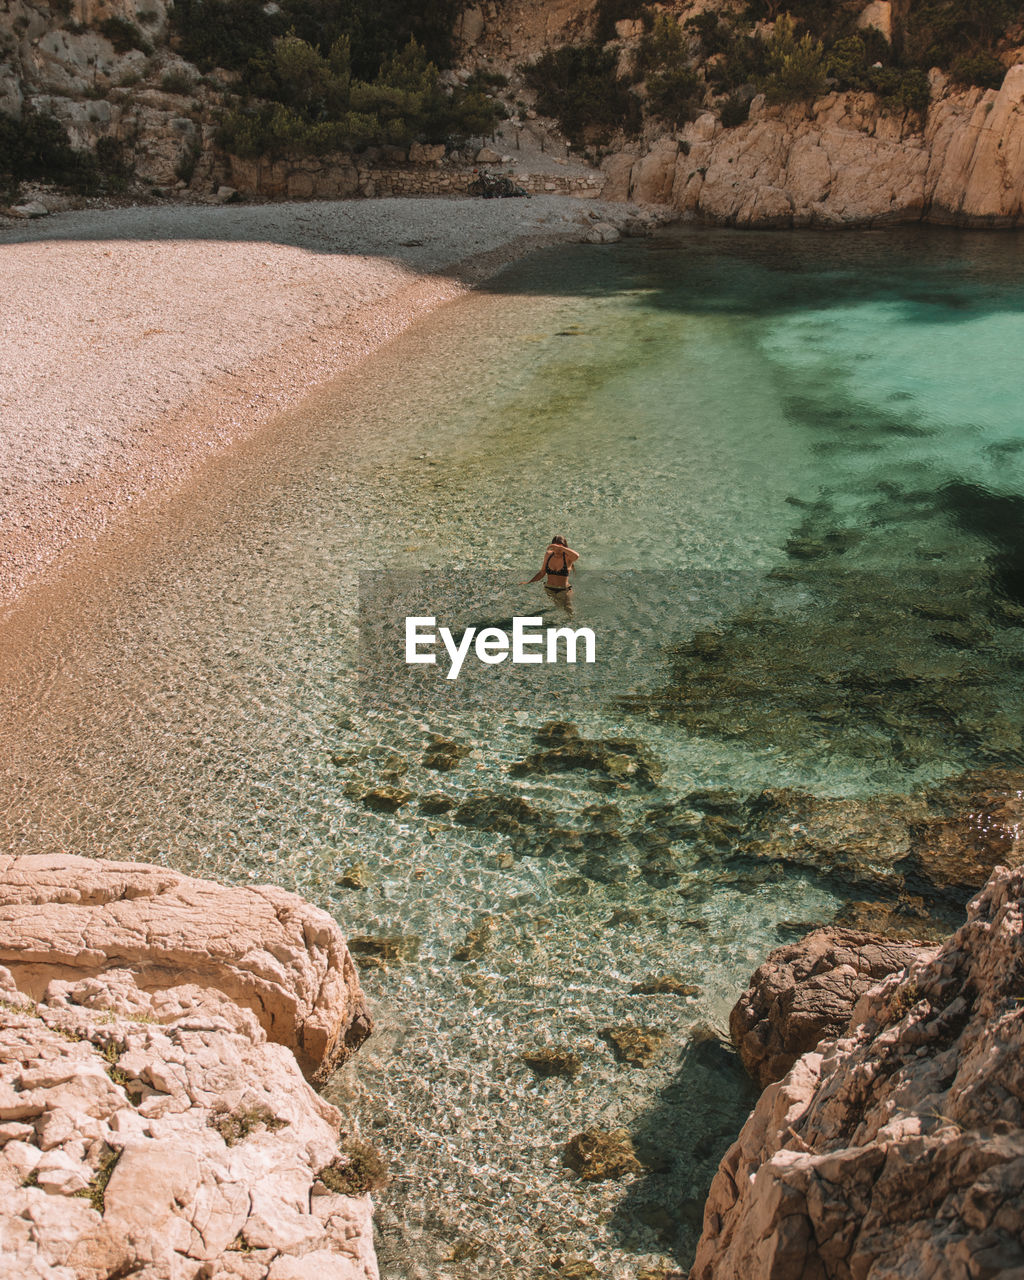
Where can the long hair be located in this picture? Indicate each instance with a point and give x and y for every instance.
(559, 541)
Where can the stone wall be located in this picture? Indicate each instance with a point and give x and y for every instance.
(343, 176)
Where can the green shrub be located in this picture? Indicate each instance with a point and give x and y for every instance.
(796, 66)
(744, 62)
(179, 82)
(311, 105)
(124, 35)
(901, 89)
(981, 69)
(578, 85)
(664, 46)
(674, 95)
(37, 147)
(735, 110)
(229, 33)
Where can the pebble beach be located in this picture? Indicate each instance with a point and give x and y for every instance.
(135, 342)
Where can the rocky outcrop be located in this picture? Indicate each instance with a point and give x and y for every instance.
(67, 918)
(805, 993)
(844, 161)
(147, 101)
(153, 1118)
(897, 1149)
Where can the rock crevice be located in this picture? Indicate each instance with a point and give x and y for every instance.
(897, 1148)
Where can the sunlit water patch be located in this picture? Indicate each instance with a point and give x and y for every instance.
(792, 465)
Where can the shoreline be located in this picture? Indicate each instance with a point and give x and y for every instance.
(167, 292)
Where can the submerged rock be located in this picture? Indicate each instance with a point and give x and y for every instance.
(664, 985)
(637, 1046)
(899, 1147)
(443, 754)
(478, 940)
(386, 799)
(491, 812)
(621, 758)
(554, 1062)
(805, 992)
(436, 802)
(379, 950)
(600, 1154)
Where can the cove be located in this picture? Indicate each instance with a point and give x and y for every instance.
(793, 466)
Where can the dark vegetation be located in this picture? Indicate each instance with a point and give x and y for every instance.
(37, 147)
(721, 60)
(328, 75)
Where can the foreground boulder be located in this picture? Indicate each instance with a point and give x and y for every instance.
(151, 1123)
(805, 993)
(66, 918)
(898, 1149)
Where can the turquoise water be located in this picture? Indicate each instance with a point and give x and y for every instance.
(807, 449)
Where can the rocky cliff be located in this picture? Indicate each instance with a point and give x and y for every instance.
(69, 62)
(847, 159)
(897, 1149)
(843, 162)
(154, 1120)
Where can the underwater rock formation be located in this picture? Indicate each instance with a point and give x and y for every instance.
(897, 1149)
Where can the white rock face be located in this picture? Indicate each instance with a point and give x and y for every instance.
(844, 162)
(898, 1149)
(148, 1124)
(65, 919)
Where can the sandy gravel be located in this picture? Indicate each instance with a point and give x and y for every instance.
(135, 341)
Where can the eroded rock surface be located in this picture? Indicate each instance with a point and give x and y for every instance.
(154, 1119)
(844, 161)
(66, 918)
(159, 1134)
(805, 993)
(898, 1149)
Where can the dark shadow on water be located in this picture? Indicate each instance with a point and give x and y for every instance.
(936, 275)
(999, 519)
(681, 1141)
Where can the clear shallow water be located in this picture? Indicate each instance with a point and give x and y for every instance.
(810, 446)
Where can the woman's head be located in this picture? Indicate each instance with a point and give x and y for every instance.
(559, 541)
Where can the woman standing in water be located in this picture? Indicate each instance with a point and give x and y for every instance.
(559, 562)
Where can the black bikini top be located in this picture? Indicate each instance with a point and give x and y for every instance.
(557, 573)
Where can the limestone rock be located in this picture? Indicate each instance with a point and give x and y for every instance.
(601, 233)
(805, 993)
(877, 14)
(486, 155)
(652, 177)
(33, 209)
(426, 153)
(164, 1136)
(897, 1149)
(617, 169)
(69, 919)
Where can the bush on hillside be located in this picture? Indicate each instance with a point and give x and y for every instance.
(981, 69)
(305, 103)
(796, 67)
(579, 86)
